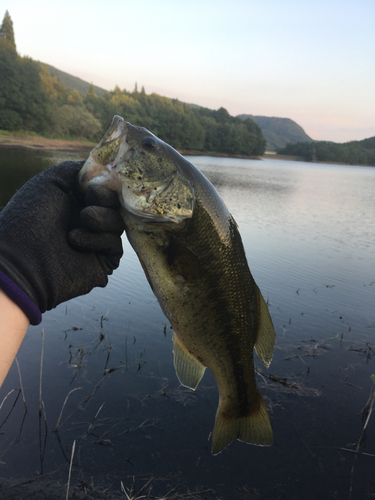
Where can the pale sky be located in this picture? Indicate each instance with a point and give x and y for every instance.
(309, 60)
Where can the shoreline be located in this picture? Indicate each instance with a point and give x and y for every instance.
(39, 142)
(188, 152)
(45, 143)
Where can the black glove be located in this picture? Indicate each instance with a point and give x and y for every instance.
(52, 247)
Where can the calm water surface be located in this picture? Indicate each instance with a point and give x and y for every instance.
(309, 235)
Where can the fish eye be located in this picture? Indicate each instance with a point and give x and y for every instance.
(149, 143)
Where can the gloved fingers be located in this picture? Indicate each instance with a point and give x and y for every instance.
(63, 175)
(108, 244)
(101, 219)
(109, 262)
(101, 196)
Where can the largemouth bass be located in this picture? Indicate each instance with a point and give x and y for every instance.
(192, 254)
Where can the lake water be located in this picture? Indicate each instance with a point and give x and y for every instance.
(309, 236)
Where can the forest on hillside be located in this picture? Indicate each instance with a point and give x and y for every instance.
(33, 99)
(352, 153)
(279, 131)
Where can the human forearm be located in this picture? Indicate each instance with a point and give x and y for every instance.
(13, 327)
(55, 245)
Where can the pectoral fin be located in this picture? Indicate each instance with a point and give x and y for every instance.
(188, 369)
(266, 333)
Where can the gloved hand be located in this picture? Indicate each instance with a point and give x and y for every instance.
(52, 247)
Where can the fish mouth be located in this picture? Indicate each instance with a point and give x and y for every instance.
(99, 167)
(95, 173)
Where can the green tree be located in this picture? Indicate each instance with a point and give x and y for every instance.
(10, 118)
(256, 138)
(75, 97)
(23, 103)
(209, 126)
(52, 86)
(91, 93)
(179, 124)
(221, 115)
(101, 108)
(7, 40)
(226, 134)
(76, 121)
(353, 153)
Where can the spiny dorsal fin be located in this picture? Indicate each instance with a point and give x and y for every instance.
(188, 369)
(266, 333)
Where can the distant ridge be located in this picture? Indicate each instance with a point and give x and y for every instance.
(73, 82)
(279, 131)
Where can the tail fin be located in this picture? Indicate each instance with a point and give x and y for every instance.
(254, 428)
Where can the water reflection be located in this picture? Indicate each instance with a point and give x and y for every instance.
(308, 232)
(17, 166)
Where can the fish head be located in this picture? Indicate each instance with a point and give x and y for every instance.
(144, 172)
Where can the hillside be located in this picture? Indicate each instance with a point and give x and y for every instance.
(73, 82)
(352, 153)
(279, 131)
(42, 99)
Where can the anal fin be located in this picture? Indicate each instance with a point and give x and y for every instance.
(188, 369)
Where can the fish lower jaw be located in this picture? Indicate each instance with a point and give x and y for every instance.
(92, 173)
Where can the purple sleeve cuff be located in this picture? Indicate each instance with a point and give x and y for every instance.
(20, 298)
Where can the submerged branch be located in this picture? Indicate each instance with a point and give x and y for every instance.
(292, 386)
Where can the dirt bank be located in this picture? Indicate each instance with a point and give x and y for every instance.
(39, 142)
(272, 156)
(187, 152)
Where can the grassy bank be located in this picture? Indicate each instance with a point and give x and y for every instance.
(31, 140)
(34, 141)
(275, 156)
